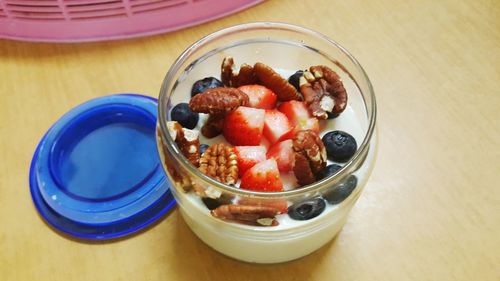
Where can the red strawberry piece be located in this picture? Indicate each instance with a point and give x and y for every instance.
(276, 125)
(244, 126)
(299, 116)
(283, 153)
(260, 96)
(264, 176)
(308, 124)
(248, 156)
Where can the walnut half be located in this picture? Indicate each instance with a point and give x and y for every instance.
(323, 91)
(310, 156)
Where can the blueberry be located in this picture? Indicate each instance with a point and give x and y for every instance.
(340, 192)
(328, 171)
(307, 209)
(294, 79)
(203, 147)
(332, 115)
(204, 84)
(340, 146)
(182, 114)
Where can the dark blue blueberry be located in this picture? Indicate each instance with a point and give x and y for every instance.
(182, 114)
(295, 79)
(307, 209)
(332, 115)
(340, 192)
(340, 146)
(203, 147)
(328, 171)
(204, 84)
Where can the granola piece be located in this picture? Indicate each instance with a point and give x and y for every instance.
(218, 101)
(323, 91)
(310, 156)
(279, 85)
(219, 162)
(247, 214)
(187, 140)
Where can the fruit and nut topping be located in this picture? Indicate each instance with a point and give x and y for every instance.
(271, 139)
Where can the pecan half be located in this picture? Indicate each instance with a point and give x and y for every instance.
(232, 78)
(187, 140)
(247, 214)
(279, 85)
(218, 101)
(323, 91)
(219, 162)
(310, 156)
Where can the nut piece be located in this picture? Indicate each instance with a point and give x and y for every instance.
(246, 76)
(232, 78)
(253, 215)
(310, 156)
(218, 101)
(187, 140)
(213, 126)
(279, 85)
(227, 69)
(219, 162)
(323, 91)
(177, 175)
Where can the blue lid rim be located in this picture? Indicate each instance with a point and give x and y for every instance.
(117, 229)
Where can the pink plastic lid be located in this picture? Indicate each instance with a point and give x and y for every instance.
(96, 20)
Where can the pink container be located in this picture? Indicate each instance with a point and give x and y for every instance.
(96, 20)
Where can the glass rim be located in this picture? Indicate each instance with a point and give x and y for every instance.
(318, 185)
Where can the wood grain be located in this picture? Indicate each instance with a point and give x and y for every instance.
(431, 210)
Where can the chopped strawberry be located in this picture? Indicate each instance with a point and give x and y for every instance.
(308, 124)
(282, 152)
(279, 204)
(260, 96)
(276, 125)
(264, 176)
(248, 156)
(244, 126)
(299, 116)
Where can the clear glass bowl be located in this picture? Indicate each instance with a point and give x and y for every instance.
(286, 48)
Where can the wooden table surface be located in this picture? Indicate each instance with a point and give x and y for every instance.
(430, 211)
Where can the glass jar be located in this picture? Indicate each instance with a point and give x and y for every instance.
(285, 48)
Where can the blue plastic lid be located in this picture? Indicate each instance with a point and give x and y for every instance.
(96, 174)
